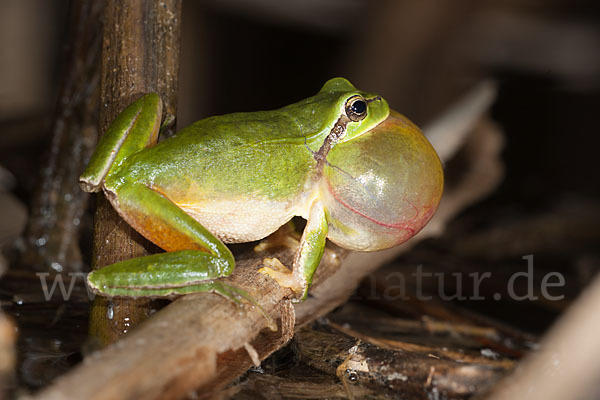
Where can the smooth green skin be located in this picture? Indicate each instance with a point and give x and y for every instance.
(267, 155)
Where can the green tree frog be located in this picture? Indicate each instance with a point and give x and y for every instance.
(362, 175)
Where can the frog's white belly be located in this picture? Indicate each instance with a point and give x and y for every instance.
(237, 222)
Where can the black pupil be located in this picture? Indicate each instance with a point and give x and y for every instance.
(358, 107)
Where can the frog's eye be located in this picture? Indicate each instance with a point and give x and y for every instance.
(356, 108)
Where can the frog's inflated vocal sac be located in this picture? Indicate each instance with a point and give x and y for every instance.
(362, 176)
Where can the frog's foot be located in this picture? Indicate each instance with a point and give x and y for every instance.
(285, 236)
(234, 294)
(283, 276)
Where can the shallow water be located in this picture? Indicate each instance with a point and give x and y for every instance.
(52, 330)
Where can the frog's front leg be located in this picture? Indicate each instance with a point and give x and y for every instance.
(308, 256)
(135, 128)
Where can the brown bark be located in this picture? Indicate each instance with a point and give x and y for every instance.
(140, 54)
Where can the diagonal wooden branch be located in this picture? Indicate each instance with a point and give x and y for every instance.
(203, 341)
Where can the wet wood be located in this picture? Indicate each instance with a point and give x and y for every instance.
(190, 343)
(361, 351)
(387, 367)
(201, 341)
(140, 54)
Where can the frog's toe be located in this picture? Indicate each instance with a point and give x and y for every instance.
(275, 265)
(240, 297)
(231, 293)
(283, 276)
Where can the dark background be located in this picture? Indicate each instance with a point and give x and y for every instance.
(421, 55)
(244, 56)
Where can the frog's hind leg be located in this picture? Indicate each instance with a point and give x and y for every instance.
(135, 128)
(195, 255)
(157, 275)
(195, 261)
(137, 278)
